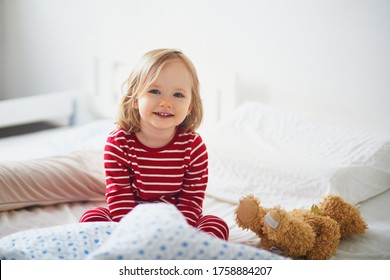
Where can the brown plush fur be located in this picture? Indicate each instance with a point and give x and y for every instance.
(311, 234)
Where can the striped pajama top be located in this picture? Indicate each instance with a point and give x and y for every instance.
(176, 173)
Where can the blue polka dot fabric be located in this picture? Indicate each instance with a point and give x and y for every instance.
(73, 241)
(149, 232)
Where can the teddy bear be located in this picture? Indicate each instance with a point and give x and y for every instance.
(312, 234)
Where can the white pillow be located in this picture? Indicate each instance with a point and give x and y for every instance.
(285, 159)
(78, 176)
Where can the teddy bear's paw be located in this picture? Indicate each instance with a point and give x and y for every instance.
(249, 215)
(246, 212)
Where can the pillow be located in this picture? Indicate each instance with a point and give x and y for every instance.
(78, 176)
(284, 158)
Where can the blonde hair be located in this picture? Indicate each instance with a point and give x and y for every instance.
(144, 74)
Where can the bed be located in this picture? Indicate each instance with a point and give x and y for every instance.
(49, 178)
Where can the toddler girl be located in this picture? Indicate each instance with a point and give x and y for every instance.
(155, 155)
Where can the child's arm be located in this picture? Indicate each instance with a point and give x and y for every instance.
(190, 200)
(120, 198)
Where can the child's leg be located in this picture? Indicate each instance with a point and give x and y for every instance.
(214, 226)
(99, 214)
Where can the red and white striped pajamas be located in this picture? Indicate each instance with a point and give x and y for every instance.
(176, 174)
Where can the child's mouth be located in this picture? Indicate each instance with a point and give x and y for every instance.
(163, 114)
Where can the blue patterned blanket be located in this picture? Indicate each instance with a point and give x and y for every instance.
(151, 231)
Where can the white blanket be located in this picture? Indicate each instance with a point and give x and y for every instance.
(150, 231)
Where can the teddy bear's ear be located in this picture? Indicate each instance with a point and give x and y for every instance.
(315, 209)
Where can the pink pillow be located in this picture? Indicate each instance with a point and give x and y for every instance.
(75, 177)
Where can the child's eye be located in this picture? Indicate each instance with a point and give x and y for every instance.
(154, 91)
(178, 94)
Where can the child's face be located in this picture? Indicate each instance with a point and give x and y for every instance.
(166, 103)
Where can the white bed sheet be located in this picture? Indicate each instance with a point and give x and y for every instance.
(56, 141)
(375, 244)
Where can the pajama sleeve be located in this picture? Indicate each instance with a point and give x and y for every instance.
(190, 199)
(119, 195)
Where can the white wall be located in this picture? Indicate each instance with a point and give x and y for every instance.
(325, 58)
(46, 45)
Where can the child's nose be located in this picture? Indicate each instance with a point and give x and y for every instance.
(165, 103)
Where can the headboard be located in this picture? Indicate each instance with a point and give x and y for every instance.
(57, 107)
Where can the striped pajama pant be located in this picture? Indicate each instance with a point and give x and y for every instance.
(208, 223)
